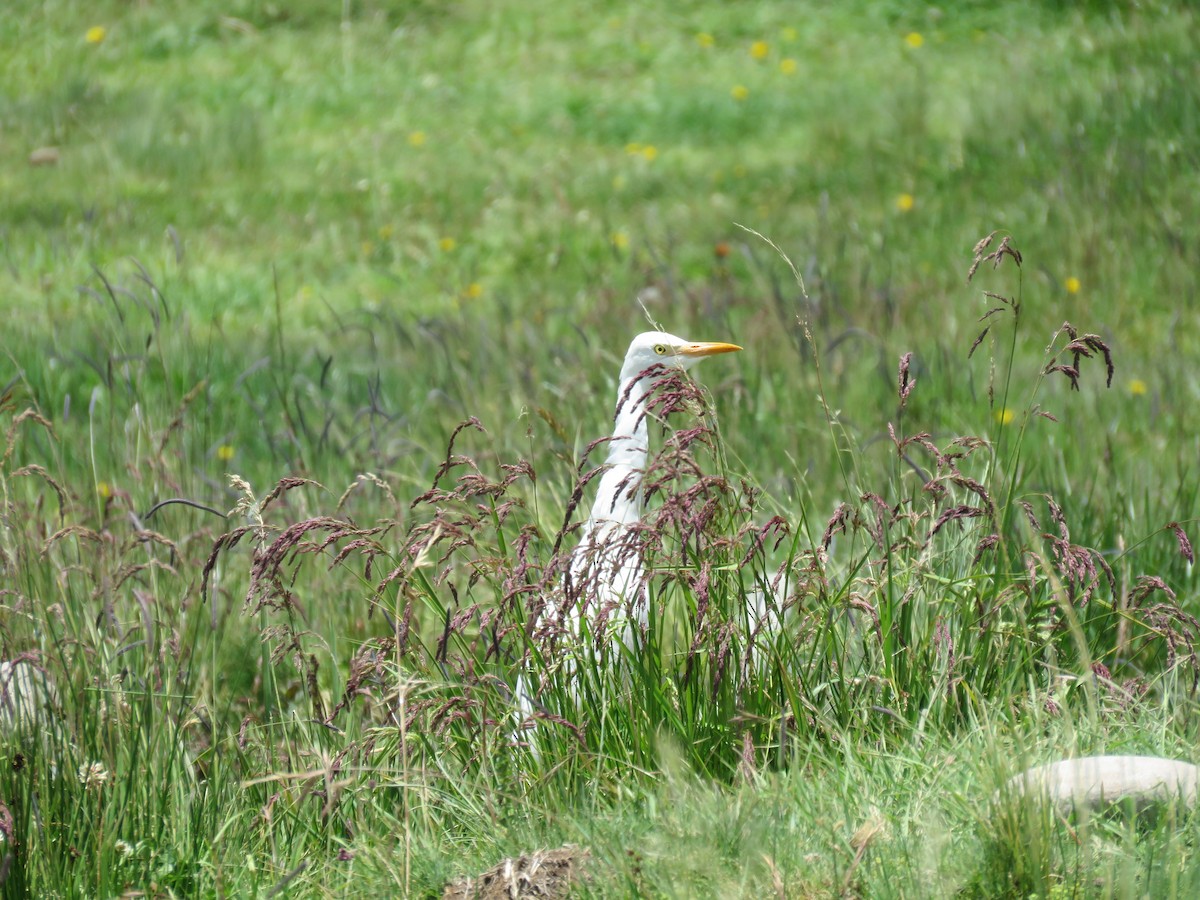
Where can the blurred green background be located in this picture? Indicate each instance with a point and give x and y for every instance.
(463, 202)
(310, 238)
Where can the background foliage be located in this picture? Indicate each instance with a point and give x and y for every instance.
(308, 240)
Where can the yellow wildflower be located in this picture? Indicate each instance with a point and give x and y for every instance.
(905, 203)
(225, 453)
(104, 489)
(1004, 416)
(1072, 285)
(1138, 388)
(914, 40)
(447, 244)
(650, 153)
(620, 240)
(739, 92)
(704, 39)
(759, 49)
(474, 291)
(633, 148)
(417, 139)
(787, 66)
(96, 34)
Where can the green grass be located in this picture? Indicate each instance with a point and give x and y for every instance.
(309, 240)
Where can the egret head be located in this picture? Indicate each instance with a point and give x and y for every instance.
(659, 348)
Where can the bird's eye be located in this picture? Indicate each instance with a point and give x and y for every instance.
(660, 349)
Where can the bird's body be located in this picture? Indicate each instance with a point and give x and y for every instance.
(606, 570)
(605, 573)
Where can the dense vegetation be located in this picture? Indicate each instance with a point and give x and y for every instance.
(354, 280)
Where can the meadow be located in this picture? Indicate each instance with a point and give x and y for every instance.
(313, 312)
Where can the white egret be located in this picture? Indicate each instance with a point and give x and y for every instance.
(605, 570)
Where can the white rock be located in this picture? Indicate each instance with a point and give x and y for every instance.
(1097, 781)
(27, 699)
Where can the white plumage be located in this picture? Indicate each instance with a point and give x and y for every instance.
(606, 569)
(605, 564)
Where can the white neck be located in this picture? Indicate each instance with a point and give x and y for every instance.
(619, 495)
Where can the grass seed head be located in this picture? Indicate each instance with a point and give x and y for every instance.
(906, 383)
(1185, 545)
